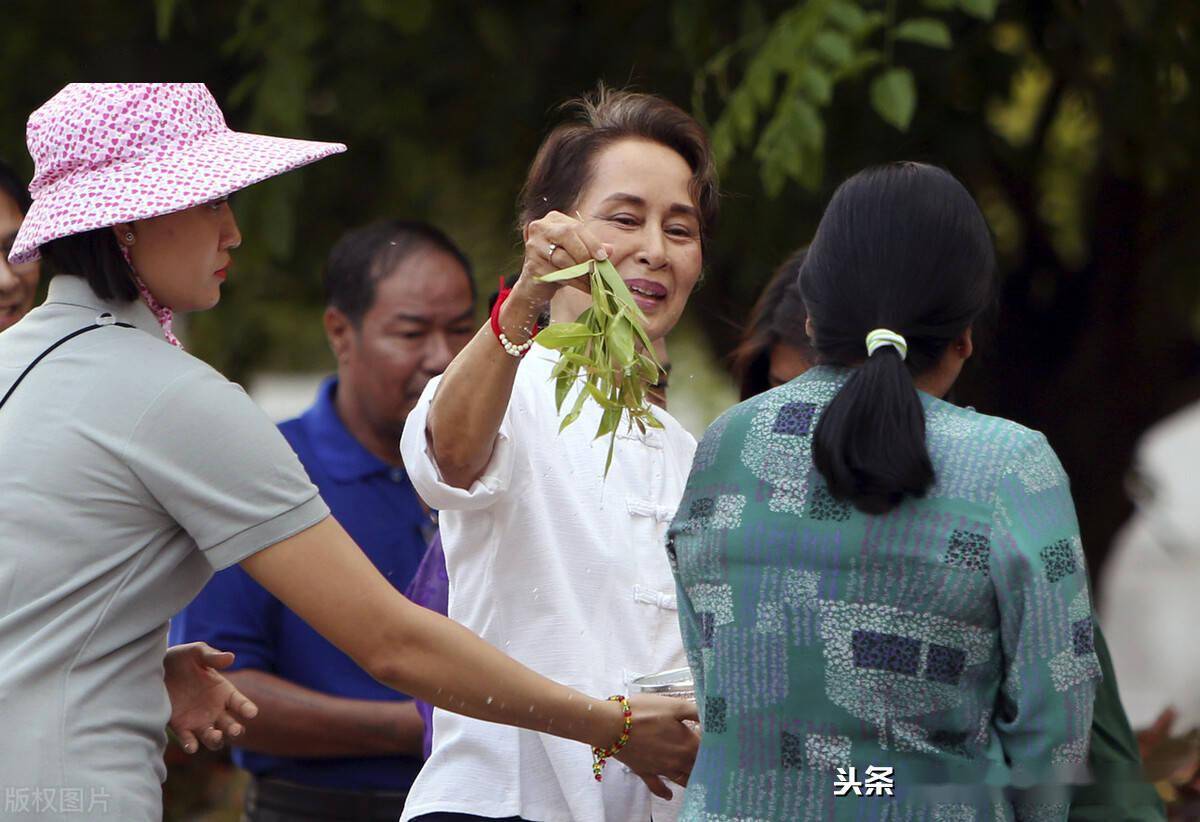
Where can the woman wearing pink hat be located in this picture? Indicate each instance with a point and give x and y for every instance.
(133, 470)
(198, 693)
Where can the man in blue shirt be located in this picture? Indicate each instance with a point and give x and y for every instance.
(330, 741)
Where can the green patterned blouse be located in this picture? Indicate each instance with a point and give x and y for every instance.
(933, 663)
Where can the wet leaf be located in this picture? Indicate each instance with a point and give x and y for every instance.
(607, 351)
(567, 273)
(608, 422)
(562, 386)
(618, 290)
(560, 335)
(602, 399)
(621, 339)
(601, 305)
(576, 410)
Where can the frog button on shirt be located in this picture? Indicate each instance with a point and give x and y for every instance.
(378, 507)
(132, 470)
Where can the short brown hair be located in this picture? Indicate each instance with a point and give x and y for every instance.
(565, 161)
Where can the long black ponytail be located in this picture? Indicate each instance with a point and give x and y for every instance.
(902, 247)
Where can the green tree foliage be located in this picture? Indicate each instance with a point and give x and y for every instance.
(793, 66)
(1075, 124)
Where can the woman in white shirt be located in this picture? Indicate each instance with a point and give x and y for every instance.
(132, 470)
(549, 559)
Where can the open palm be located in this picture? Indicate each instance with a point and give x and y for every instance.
(205, 706)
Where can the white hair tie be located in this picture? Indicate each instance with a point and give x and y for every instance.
(881, 337)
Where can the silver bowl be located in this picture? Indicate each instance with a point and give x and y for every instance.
(676, 683)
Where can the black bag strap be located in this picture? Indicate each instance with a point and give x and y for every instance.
(103, 321)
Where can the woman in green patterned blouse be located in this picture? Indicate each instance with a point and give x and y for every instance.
(883, 596)
(774, 349)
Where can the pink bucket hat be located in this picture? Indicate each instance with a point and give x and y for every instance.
(108, 153)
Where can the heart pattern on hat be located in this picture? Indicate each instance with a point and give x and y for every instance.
(108, 153)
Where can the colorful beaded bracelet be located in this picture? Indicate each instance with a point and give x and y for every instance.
(600, 756)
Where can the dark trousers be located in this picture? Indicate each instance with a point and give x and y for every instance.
(463, 817)
(272, 800)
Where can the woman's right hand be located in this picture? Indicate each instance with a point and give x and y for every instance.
(554, 242)
(660, 745)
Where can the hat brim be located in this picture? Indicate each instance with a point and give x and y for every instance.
(212, 167)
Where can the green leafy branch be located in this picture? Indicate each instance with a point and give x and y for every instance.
(600, 353)
(792, 74)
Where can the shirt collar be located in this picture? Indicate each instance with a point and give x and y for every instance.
(68, 289)
(343, 456)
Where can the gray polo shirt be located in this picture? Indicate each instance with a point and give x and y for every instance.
(129, 472)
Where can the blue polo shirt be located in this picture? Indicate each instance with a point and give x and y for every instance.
(377, 505)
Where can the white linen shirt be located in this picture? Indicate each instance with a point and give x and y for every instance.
(564, 570)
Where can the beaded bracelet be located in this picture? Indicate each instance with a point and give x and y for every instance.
(599, 755)
(510, 348)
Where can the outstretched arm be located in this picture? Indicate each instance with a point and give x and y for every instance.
(435, 659)
(296, 721)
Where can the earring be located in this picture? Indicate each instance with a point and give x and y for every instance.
(129, 237)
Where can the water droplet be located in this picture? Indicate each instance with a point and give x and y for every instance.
(530, 709)
(489, 700)
(535, 590)
(589, 707)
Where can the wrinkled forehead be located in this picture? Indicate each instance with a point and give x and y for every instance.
(427, 282)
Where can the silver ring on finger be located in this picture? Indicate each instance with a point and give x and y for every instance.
(550, 251)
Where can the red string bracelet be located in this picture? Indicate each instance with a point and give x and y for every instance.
(601, 755)
(509, 348)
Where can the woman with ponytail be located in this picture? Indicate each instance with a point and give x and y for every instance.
(883, 596)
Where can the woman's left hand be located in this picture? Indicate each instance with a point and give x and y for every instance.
(205, 706)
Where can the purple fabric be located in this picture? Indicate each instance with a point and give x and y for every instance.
(430, 588)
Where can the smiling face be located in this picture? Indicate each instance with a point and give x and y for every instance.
(184, 257)
(18, 283)
(638, 201)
